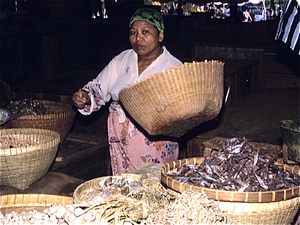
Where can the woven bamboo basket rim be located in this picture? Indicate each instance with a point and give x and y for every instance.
(281, 212)
(176, 99)
(259, 208)
(26, 202)
(48, 139)
(94, 182)
(53, 115)
(183, 66)
(229, 196)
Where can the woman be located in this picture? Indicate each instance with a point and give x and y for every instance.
(129, 148)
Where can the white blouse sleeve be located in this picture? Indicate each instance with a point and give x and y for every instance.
(98, 90)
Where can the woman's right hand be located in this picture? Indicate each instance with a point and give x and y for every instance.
(80, 99)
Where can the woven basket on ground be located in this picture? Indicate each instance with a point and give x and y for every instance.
(61, 120)
(24, 165)
(177, 99)
(26, 202)
(269, 207)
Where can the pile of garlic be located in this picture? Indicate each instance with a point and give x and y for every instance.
(54, 215)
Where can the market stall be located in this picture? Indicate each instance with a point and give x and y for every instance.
(232, 183)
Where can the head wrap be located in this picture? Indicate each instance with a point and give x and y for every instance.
(149, 15)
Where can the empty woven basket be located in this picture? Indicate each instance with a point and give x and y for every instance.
(177, 99)
(61, 120)
(22, 166)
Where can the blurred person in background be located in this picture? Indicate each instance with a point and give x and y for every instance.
(246, 15)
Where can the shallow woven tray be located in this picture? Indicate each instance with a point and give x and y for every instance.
(177, 99)
(229, 196)
(270, 207)
(95, 182)
(26, 202)
(61, 120)
(21, 167)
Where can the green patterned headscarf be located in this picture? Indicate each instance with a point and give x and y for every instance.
(149, 15)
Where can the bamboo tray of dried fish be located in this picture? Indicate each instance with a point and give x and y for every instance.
(269, 207)
(229, 196)
(60, 118)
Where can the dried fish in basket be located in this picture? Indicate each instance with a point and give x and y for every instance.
(237, 167)
(263, 205)
(28, 107)
(43, 114)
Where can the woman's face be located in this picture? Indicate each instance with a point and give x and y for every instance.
(144, 38)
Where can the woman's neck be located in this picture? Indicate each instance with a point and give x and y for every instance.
(145, 61)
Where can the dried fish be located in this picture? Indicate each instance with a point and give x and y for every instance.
(237, 167)
(28, 107)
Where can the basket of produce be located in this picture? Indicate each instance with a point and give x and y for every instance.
(117, 199)
(26, 155)
(177, 99)
(290, 133)
(137, 200)
(43, 114)
(251, 188)
(42, 209)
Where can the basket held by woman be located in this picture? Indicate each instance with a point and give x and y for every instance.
(177, 99)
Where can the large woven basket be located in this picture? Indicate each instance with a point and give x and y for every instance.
(270, 207)
(22, 166)
(61, 120)
(177, 99)
(25, 202)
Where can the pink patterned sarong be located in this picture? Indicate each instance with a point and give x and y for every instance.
(130, 149)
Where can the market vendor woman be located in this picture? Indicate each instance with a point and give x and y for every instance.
(130, 148)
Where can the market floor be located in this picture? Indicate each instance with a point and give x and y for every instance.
(255, 117)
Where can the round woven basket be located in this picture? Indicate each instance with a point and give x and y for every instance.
(25, 202)
(61, 120)
(22, 166)
(95, 183)
(269, 207)
(177, 99)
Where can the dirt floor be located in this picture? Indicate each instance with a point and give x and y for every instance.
(255, 117)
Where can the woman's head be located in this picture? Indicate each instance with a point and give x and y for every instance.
(146, 31)
(149, 15)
